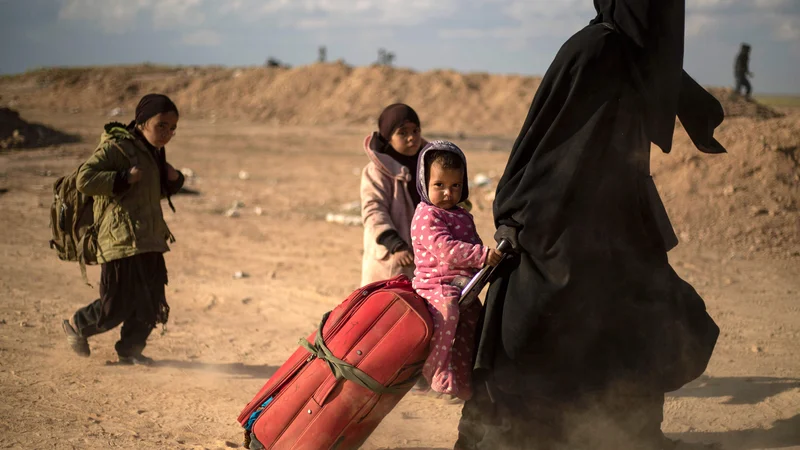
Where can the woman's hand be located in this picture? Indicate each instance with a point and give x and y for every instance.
(508, 233)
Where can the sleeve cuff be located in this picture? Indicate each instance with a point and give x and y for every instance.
(120, 182)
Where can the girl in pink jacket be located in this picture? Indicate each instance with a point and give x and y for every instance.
(446, 245)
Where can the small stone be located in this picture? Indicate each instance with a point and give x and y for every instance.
(344, 219)
(758, 211)
(729, 190)
(25, 324)
(232, 213)
(246, 300)
(244, 175)
(481, 180)
(258, 211)
(756, 349)
(239, 275)
(212, 302)
(3, 321)
(116, 112)
(352, 206)
(230, 444)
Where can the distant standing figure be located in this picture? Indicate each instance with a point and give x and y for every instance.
(741, 71)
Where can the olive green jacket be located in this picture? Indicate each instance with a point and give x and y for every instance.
(129, 222)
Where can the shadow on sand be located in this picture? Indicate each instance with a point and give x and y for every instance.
(741, 390)
(744, 391)
(783, 433)
(263, 371)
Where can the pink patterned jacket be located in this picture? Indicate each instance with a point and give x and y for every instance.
(446, 244)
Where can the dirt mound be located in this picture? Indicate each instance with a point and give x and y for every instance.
(310, 95)
(747, 199)
(318, 94)
(17, 133)
(736, 105)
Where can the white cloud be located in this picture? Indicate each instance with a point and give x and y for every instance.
(700, 23)
(112, 16)
(202, 38)
(119, 16)
(184, 12)
(305, 14)
(781, 17)
(508, 19)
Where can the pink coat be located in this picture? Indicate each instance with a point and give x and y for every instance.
(385, 205)
(446, 244)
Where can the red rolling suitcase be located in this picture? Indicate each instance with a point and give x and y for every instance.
(318, 401)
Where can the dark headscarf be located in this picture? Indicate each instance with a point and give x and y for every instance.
(151, 105)
(393, 117)
(445, 146)
(656, 30)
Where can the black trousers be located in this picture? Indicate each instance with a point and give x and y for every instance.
(131, 294)
(743, 82)
(133, 336)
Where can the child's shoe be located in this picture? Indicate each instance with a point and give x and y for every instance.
(78, 343)
(136, 360)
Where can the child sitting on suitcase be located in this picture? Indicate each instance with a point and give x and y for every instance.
(446, 246)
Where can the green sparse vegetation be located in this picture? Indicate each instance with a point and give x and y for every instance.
(781, 101)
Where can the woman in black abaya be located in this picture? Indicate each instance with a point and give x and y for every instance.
(587, 326)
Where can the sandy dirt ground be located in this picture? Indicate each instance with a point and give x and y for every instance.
(226, 336)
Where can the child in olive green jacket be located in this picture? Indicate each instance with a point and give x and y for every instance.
(127, 176)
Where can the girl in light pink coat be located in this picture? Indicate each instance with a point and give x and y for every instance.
(446, 245)
(389, 194)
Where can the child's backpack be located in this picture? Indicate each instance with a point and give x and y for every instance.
(72, 220)
(72, 223)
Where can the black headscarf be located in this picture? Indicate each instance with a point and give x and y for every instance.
(151, 105)
(656, 28)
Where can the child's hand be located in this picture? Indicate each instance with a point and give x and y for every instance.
(403, 258)
(134, 175)
(494, 257)
(172, 174)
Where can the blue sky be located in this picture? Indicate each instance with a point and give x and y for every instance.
(499, 36)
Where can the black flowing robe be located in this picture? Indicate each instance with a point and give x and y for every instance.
(591, 300)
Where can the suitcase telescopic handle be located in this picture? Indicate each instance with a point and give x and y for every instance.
(476, 284)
